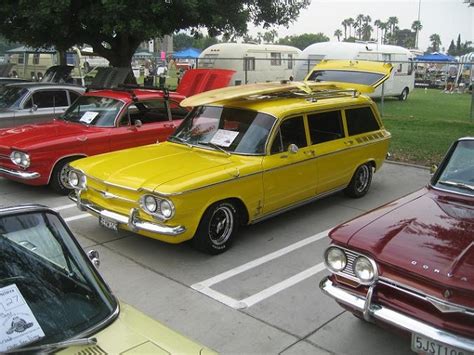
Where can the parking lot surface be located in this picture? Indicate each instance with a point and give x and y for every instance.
(262, 295)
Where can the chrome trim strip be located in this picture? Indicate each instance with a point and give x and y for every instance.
(132, 221)
(395, 318)
(450, 191)
(107, 195)
(4, 156)
(20, 174)
(423, 296)
(296, 205)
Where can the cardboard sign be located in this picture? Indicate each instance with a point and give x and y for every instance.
(18, 325)
(88, 116)
(224, 138)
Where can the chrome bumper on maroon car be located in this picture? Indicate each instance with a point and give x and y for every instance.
(25, 175)
(132, 221)
(394, 318)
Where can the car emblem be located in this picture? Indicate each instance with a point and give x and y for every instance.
(447, 294)
(108, 195)
(444, 307)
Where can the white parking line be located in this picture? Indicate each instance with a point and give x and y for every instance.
(64, 207)
(80, 216)
(205, 286)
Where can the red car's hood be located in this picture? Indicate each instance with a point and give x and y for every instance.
(32, 136)
(430, 234)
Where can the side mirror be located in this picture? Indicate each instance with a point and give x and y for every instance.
(433, 169)
(34, 108)
(293, 148)
(93, 256)
(138, 123)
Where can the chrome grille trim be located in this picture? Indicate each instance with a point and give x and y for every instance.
(423, 296)
(109, 196)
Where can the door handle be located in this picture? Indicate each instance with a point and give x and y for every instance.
(310, 152)
(349, 142)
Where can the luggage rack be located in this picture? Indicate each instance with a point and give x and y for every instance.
(310, 95)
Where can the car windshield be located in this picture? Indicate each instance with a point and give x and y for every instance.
(49, 292)
(94, 110)
(11, 96)
(457, 172)
(346, 76)
(230, 129)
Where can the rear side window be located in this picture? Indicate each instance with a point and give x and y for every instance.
(50, 98)
(361, 120)
(73, 96)
(325, 126)
(291, 131)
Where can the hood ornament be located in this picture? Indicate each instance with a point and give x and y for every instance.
(444, 307)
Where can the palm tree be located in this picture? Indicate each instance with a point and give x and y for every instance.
(350, 23)
(367, 19)
(392, 23)
(359, 19)
(383, 32)
(366, 31)
(435, 42)
(338, 34)
(345, 24)
(377, 24)
(416, 26)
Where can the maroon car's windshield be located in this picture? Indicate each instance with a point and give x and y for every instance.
(92, 110)
(457, 171)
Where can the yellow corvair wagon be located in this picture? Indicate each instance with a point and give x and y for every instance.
(243, 154)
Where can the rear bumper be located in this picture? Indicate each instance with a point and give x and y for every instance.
(19, 174)
(132, 221)
(372, 310)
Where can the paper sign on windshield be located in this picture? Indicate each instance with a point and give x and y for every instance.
(18, 325)
(224, 138)
(88, 116)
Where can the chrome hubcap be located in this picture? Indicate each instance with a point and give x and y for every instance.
(221, 225)
(63, 178)
(362, 178)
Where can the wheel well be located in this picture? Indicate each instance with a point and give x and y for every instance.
(241, 209)
(372, 164)
(70, 157)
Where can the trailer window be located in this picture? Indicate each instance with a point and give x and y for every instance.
(275, 58)
(290, 61)
(249, 64)
(36, 58)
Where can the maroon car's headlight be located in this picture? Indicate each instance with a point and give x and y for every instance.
(365, 269)
(335, 259)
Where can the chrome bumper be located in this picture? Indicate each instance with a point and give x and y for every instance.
(394, 318)
(19, 174)
(132, 221)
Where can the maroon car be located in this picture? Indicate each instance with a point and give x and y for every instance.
(98, 122)
(410, 264)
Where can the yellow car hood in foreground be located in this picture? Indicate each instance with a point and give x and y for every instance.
(150, 166)
(135, 333)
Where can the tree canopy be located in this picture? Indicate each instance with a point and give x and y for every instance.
(115, 28)
(304, 40)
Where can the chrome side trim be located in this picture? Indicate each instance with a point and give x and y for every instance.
(450, 191)
(20, 174)
(423, 296)
(298, 204)
(132, 221)
(395, 318)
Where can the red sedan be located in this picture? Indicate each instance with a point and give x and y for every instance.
(98, 122)
(410, 264)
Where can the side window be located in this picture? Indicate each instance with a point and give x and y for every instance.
(325, 126)
(50, 98)
(291, 131)
(73, 96)
(361, 120)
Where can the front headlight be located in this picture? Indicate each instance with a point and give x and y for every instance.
(335, 258)
(364, 269)
(157, 206)
(76, 179)
(20, 159)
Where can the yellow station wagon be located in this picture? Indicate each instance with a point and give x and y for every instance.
(242, 155)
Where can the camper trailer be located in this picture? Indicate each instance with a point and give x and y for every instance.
(253, 63)
(400, 83)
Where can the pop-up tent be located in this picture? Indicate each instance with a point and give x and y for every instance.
(188, 53)
(435, 57)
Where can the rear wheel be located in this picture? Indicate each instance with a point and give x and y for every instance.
(58, 180)
(360, 181)
(404, 95)
(217, 228)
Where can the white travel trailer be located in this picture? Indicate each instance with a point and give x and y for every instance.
(252, 62)
(401, 82)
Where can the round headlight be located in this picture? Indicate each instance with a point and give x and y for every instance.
(364, 269)
(336, 259)
(73, 178)
(166, 208)
(150, 204)
(20, 158)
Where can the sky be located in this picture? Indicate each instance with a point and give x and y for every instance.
(448, 18)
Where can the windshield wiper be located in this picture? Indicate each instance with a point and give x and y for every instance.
(215, 146)
(461, 185)
(55, 346)
(181, 140)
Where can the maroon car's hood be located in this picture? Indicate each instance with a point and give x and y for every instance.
(35, 135)
(430, 234)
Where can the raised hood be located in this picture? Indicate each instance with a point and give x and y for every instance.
(195, 81)
(31, 136)
(432, 230)
(364, 76)
(150, 166)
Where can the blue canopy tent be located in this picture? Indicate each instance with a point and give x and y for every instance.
(188, 53)
(435, 57)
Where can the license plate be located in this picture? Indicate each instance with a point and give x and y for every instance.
(108, 223)
(423, 345)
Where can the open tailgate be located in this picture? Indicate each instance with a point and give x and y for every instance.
(196, 81)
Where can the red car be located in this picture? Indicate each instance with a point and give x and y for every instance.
(409, 264)
(98, 122)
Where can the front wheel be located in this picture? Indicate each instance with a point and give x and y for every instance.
(360, 182)
(59, 177)
(404, 95)
(216, 230)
